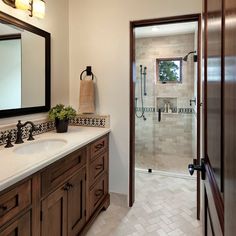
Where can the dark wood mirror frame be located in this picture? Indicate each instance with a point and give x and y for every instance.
(5, 18)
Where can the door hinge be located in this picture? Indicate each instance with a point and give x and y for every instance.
(41, 216)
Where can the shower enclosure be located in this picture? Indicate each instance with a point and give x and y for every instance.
(141, 91)
(165, 122)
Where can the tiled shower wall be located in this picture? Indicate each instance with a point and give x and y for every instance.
(168, 145)
(148, 50)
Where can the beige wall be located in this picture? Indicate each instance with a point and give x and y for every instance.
(99, 36)
(56, 23)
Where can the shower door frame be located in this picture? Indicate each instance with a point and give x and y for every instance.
(150, 22)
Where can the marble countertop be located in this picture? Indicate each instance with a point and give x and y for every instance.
(15, 167)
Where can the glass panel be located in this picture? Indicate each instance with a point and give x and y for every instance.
(165, 92)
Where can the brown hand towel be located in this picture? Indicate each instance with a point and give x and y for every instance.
(87, 96)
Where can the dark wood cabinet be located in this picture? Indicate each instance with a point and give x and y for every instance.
(14, 201)
(98, 167)
(20, 227)
(98, 174)
(54, 214)
(76, 203)
(61, 199)
(63, 211)
(97, 193)
(56, 173)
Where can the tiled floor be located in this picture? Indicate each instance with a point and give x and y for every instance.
(165, 205)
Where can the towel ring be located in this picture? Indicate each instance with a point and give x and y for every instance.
(88, 71)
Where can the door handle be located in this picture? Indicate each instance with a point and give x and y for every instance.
(201, 167)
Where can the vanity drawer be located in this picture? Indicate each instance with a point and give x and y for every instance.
(98, 167)
(58, 172)
(14, 201)
(99, 146)
(97, 193)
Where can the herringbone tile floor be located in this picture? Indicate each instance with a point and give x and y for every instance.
(165, 206)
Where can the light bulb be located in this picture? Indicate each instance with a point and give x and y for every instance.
(22, 4)
(38, 8)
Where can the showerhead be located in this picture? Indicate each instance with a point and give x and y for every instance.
(185, 58)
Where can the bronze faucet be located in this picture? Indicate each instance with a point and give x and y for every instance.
(19, 131)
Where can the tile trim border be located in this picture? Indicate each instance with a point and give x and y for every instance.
(180, 110)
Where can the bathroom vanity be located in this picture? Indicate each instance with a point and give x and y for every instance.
(55, 192)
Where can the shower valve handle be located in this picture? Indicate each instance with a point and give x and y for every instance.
(159, 115)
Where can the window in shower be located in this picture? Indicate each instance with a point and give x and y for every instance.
(169, 70)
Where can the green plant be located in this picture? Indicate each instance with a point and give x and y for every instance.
(61, 112)
(168, 71)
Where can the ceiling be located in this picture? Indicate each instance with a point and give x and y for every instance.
(165, 29)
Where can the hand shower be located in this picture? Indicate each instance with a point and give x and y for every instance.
(144, 79)
(143, 74)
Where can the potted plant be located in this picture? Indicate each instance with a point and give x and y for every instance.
(61, 115)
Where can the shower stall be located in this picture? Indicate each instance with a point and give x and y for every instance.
(165, 122)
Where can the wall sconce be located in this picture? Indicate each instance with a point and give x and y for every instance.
(36, 7)
(22, 4)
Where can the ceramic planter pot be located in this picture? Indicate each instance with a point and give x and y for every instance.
(61, 125)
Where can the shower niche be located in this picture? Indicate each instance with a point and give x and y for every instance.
(166, 104)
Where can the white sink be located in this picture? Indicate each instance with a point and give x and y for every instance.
(40, 146)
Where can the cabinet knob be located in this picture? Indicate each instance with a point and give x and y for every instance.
(67, 186)
(100, 145)
(99, 166)
(70, 185)
(99, 193)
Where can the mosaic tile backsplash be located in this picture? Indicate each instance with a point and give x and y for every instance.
(79, 120)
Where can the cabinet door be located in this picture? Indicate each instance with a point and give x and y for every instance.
(20, 227)
(54, 214)
(76, 203)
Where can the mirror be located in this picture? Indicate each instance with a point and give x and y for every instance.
(24, 68)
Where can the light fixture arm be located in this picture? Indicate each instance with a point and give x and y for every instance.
(35, 7)
(31, 8)
(10, 3)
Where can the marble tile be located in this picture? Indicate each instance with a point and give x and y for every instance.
(169, 145)
(165, 205)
